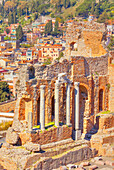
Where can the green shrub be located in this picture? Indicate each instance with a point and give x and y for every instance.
(5, 125)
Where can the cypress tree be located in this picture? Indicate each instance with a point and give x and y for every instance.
(56, 26)
(19, 33)
(10, 18)
(93, 8)
(14, 17)
(97, 10)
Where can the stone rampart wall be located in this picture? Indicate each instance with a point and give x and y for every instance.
(106, 121)
(95, 66)
(8, 107)
(70, 157)
(111, 82)
(48, 136)
(51, 71)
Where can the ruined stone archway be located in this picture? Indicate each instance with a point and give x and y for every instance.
(31, 72)
(73, 46)
(100, 100)
(25, 108)
(83, 105)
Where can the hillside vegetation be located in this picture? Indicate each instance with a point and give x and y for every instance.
(15, 10)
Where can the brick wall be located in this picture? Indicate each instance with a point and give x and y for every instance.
(111, 82)
(8, 107)
(48, 136)
(106, 121)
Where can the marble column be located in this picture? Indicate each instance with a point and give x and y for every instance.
(57, 103)
(42, 107)
(30, 121)
(77, 130)
(68, 104)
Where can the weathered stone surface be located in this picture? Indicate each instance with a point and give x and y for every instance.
(93, 167)
(63, 168)
(97, 158)
(106, 168)
(85, 164)
(70, 166)
(6, 145)
(100, 162)
(12, 136)
(32, 147)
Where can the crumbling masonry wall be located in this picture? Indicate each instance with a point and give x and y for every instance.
(85, 39)
(92, 73)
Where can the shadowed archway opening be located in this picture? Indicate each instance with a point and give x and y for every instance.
(100, 100)
(52, 109)
(73, 46)
(83, 107)
(31, 72)
(38, 110)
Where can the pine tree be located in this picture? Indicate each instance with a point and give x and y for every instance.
(19, 33)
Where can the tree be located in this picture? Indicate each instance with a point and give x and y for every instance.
(103, 17)
(49, 28)
(93, 8)
(7, 31)
(66, 3)
(10, 18)
(14, 17)
(4, 91)
(97, 10)
(19, 33)
(56, 26)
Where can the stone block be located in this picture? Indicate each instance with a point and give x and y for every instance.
(77, 134)
(111, 163)
(106, 168)
(32, 147)
(63, 168)
(97, 158)
(12, 137)
(93, 167)
(85, 164)
(70, 166)
(100, 162)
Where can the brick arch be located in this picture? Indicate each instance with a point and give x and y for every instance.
(101, 96)
(88, 89)
(72, 45)
(25, 108)
(31, 71)
(84, 104)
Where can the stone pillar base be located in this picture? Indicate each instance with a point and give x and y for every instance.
(76, 134)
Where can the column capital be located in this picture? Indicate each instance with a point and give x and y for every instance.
(76, 84)
(42, 87)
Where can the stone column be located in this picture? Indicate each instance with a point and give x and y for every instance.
(77, 131)
(68, 104)
(57, 103)
(30, 121)
(42, 107)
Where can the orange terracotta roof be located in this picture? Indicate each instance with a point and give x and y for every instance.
(5, 59)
